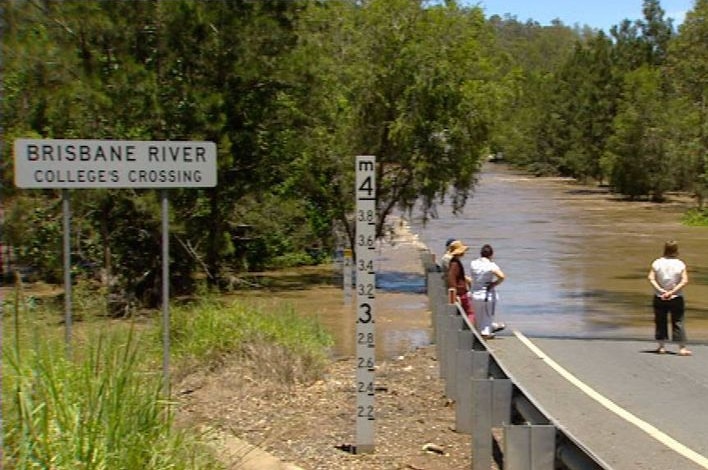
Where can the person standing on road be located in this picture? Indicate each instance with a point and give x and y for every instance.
(668, 276)
(486, 276)
(456, 278)
(445, 258)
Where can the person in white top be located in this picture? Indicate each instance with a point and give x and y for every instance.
(486, 276)
(668, 276)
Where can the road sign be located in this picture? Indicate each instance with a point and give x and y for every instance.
(365, 296)
(86, 164)
(66, 164)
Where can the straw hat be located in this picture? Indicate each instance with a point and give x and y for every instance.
(457, 248)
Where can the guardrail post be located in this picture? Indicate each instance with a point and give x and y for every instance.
(491, 402)
(529, 447)
(428, 260)
(454, 324)
(471, 365)
(442, 320)
(436, 300)
(445, 317)
(464, 342)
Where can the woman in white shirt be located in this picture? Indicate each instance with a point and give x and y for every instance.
(668, 276)
(486, 275)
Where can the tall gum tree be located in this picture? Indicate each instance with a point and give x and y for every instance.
(408, 83)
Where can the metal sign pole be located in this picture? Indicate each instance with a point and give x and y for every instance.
(165, 294)
(66, 209)
(365, 296)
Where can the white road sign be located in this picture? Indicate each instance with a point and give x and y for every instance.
(62, 163)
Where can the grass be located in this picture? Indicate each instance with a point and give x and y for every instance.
(696, 218)
(103, 407)
(285, 345)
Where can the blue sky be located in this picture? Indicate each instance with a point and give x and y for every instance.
(601, 14)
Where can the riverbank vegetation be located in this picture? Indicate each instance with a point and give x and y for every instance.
(292, 91)
(696, 217)
(98, 401)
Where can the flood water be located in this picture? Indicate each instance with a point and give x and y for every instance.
(576, 261)
(576, 258)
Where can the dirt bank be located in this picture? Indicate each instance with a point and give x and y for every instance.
(314, 426)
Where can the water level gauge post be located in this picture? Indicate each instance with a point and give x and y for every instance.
(365, 302)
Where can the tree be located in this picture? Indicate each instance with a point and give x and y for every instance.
(530, 114)
(403, 82)
(586, 98)
(638, 146)
(688, 69)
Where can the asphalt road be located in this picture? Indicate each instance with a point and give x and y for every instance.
(631, 407)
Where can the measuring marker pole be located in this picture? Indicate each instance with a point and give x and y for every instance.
(365, 296)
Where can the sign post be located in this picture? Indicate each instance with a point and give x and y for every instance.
(92, 164)
(66, 211)
(365, 296)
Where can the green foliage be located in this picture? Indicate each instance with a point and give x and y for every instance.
(528, 110)
(34, 226)
(628, 108)
(210, 331)
(102, 409)
(696, 218)
(688, 67)
(280, 234)
(292, 91)
(641, 166)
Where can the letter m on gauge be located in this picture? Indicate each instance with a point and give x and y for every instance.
(365, 203)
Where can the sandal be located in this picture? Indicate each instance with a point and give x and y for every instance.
(661, 350)
(685, 352)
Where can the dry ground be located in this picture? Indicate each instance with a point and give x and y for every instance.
(313, 426)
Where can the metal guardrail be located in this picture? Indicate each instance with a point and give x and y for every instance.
(506, 424)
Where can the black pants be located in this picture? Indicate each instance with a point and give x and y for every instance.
(662, 308)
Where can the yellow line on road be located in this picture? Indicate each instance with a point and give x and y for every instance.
(665, 439)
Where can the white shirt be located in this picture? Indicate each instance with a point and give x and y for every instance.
(482, 273)
(667, 272)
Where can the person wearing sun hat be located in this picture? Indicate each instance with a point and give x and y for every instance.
(456, 278)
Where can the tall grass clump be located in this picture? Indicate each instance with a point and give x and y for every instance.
(696, 218)
(280, 344)
(101, 408)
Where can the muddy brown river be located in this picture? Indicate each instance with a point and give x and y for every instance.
(576, 260)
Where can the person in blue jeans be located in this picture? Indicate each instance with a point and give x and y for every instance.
(668, 276)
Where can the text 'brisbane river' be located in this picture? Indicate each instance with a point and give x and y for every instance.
(58, 163)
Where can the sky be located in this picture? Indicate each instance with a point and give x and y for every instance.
(600, 14)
